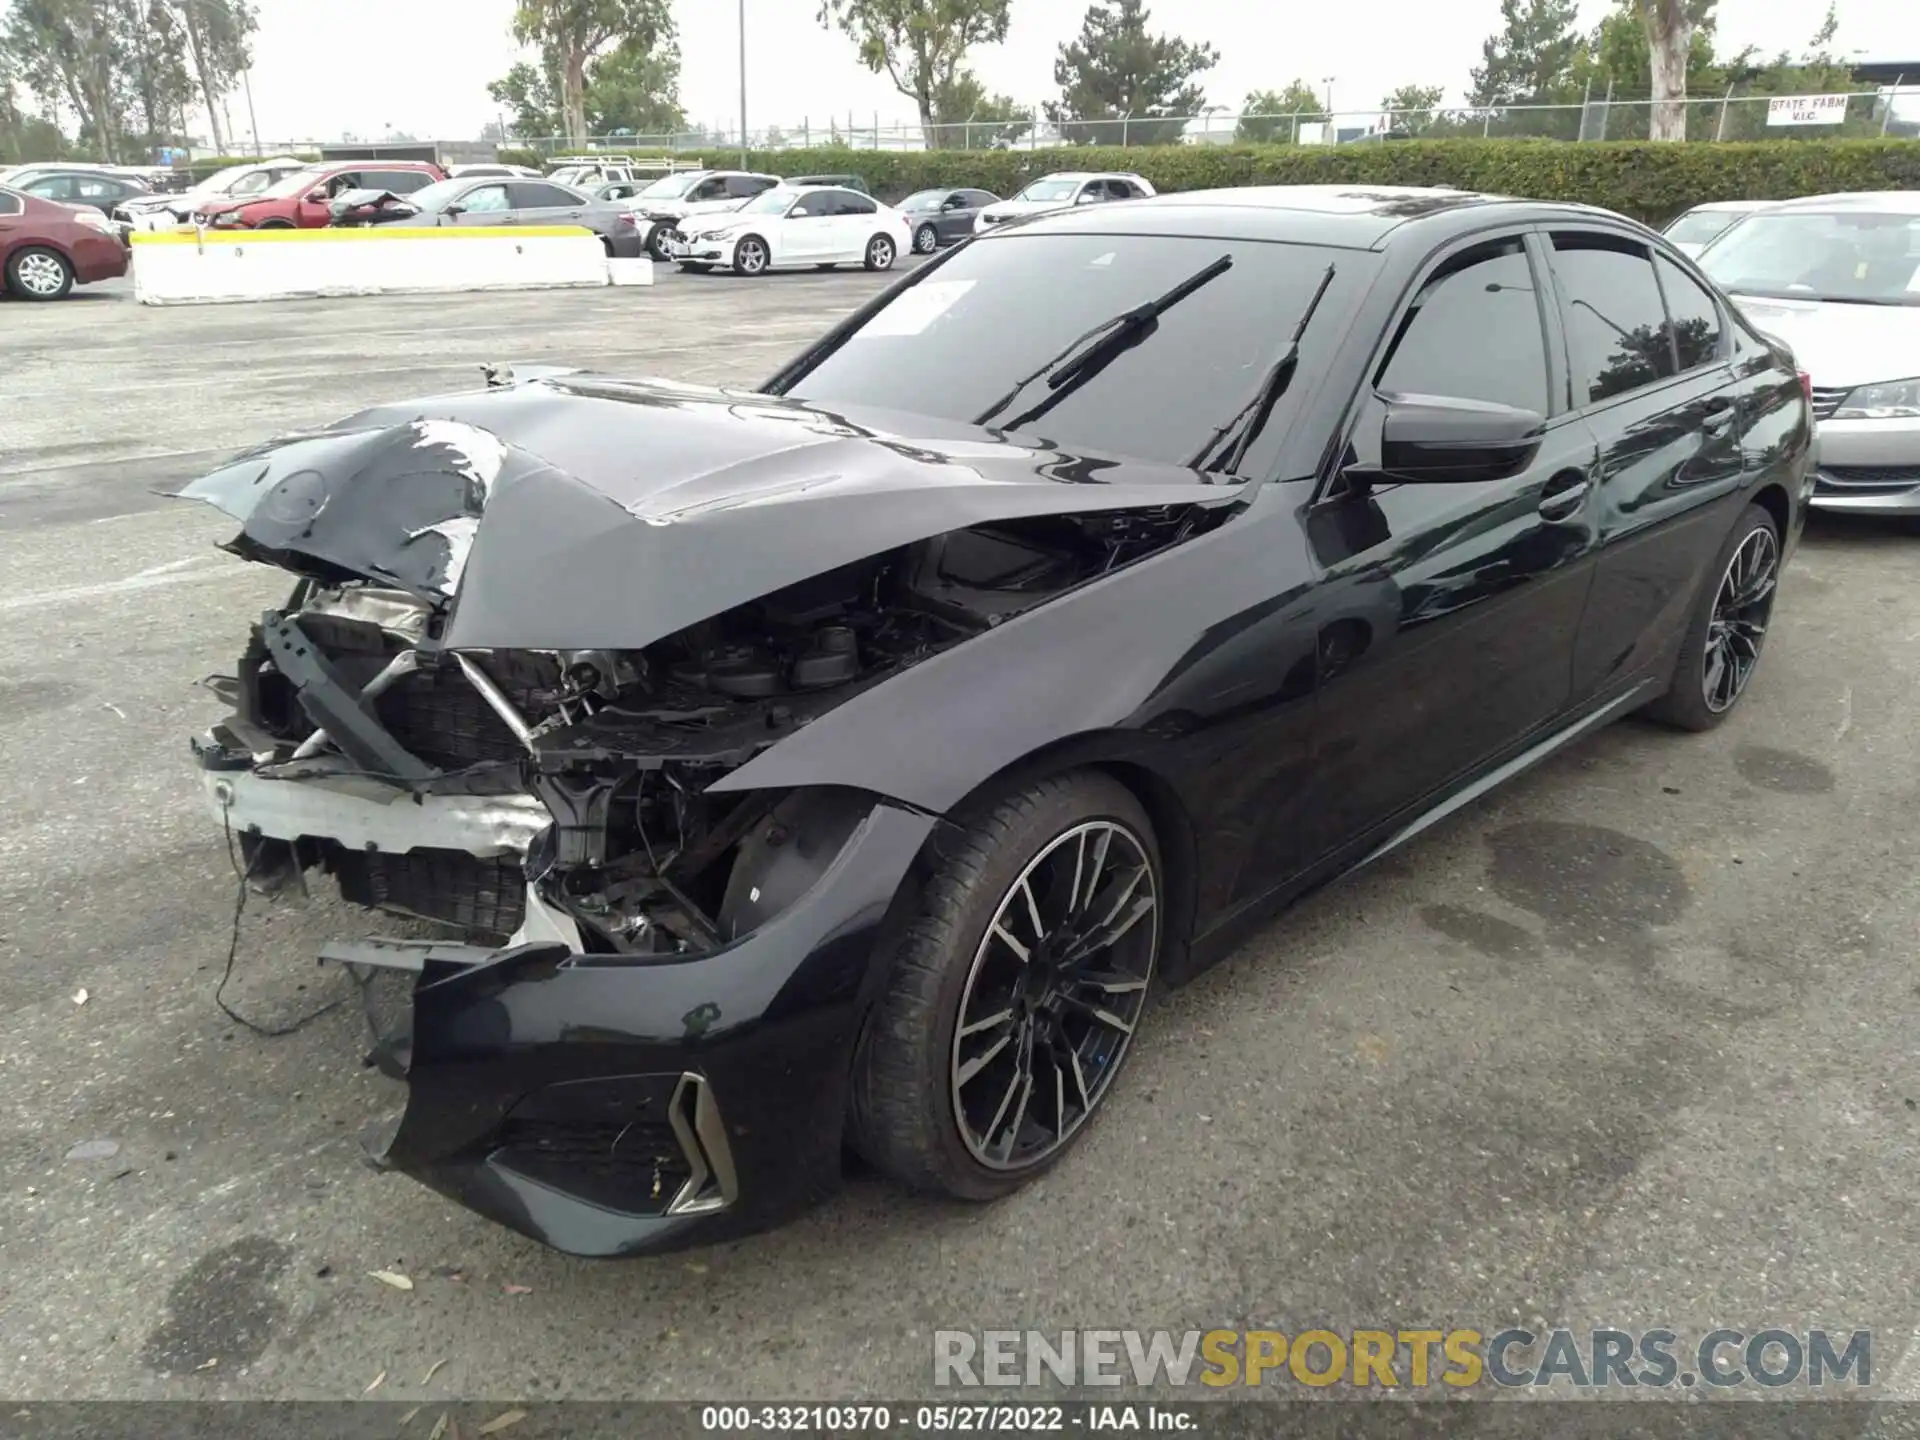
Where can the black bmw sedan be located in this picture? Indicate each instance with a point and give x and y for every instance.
(848, 763)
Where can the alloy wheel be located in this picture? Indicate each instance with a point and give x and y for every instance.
(880, 253)
(1055, 993)
(925, 240)
(41, 273)
(751, 256)
(1738, 626)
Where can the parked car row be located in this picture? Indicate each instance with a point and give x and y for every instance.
(49, 246)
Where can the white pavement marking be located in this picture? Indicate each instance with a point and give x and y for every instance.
(174, 572)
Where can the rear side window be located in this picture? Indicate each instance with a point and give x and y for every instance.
(1696, 319)
(54, 187)
(1616, 325)
(848, 203)
(1474, 333)
(533, 196)
(10, 204)
(745, 187)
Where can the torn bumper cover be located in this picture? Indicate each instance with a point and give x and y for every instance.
(612, 1108)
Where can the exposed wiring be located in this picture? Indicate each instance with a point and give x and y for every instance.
(242, 874)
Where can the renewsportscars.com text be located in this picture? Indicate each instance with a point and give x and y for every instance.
(1409, 1358)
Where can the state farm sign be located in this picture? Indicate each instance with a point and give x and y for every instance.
(1807, 110)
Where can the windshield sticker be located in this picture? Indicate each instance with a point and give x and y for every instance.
(915, 310)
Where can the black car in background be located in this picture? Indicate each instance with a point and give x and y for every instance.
(99, 189)
(858, 763)
(942, 217)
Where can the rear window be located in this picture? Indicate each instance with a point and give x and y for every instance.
(10, 203)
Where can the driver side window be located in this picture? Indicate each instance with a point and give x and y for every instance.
(1474, 332)
(487, 200)
(809, 207)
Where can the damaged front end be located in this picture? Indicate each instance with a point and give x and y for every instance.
(639, 1032)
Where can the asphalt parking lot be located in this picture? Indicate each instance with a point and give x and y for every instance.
(1632, 1044)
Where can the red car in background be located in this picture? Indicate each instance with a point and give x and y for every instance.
(46, 248)
(300, 201)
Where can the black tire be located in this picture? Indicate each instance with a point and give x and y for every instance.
(274, 225)
(1699, 695)
(35, 272)
(694, 267)
(907, 1072)
(880, 253)
(657, 239)
(828, 266)
(751, 256)
(926, 240)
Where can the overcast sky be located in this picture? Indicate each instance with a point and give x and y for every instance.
(327, 66)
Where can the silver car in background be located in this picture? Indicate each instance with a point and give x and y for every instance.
(1693, 230)
(1837, 277)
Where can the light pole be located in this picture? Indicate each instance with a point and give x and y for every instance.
(743, 84)
(1327, 80)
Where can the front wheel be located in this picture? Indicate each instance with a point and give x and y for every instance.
(926, 240)
(658, 240)
(39, 274)
(1014, 992)
(879, 253)
(1725, 634)
(274, 225)
(750, 255)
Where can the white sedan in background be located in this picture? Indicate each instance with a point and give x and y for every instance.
(822, 226)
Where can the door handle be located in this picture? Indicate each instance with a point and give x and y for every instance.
(1719, 415)
(1566, 493)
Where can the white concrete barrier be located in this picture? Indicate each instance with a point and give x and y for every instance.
(214, 266)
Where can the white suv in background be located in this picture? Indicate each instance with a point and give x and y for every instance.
(1061, 191)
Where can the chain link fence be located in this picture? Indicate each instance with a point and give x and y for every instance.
(1733, 116)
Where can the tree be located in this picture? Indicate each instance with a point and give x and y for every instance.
(1669, 41)
(1622, 65)
(1529, 61)
(966, 116)
(1274, 116)
(531, 96)
(1411, 109)
(219, 44)
(154, 47)
(570, 33)
(69, 54)
(921, 44)
(1815, 71)
(636, 88)
(1118, 83)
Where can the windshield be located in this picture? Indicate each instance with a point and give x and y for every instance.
(1857, 256)
(1049, 190)
(298, 183)
(768, 202)
(572, 174)
(952, 345)
(925, 200)
(227, 181)
(430, 198)
(671, 187)
(1700, 226)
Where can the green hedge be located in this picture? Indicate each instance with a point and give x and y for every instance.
(1647, 181)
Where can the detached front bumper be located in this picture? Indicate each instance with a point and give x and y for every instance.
(1868, 467)
(618, 1106)
(606, 1105)
(704, 251)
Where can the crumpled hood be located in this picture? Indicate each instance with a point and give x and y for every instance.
(583, 512)
(1841, 345)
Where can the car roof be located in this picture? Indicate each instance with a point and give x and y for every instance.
(1893, 202)
(1360, 217)
(1731, 205)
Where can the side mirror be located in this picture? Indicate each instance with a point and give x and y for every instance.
(1089, 197)
(1439, 440)
(955, 202)
(454, 209)
(318, 195)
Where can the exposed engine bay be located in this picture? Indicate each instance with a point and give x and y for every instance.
(351, 685)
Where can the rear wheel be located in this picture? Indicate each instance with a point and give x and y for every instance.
(694, 267)
(879, 253)
(1015, 991)
(750, 255)
(657, 241)
(1725, 635)
(926, 240)
(37, 273)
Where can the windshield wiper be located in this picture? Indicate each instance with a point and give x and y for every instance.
(1099, 347)
(1247, 422)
